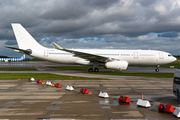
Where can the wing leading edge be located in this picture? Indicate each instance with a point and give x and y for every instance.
(88, 56)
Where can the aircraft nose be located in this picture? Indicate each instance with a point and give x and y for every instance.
(174, 59)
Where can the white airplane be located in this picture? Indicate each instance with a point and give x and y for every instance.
(110, 59)
(12, 59)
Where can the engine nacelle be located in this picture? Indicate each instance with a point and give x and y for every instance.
(7, 61)
(117, 65)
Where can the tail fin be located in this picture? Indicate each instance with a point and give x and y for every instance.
(23, 57)
(24, 39)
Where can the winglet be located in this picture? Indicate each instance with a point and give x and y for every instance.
(56, 46)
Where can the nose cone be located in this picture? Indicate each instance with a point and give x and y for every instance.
(174, 59)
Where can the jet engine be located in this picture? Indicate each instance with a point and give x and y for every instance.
(117, 65)
(7, 61)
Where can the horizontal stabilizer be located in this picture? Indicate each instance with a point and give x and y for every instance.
(28, 51)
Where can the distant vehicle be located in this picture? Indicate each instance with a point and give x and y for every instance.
(12, 59)
(110, 59)
(176, 83)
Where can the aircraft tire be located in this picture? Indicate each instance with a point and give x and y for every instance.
(90, 70)
(157, 70)
(96, 70)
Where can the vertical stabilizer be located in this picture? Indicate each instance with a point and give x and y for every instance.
(24, 39)
(23, 57)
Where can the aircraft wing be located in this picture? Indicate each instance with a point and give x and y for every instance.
(88, 56)
(20, 50)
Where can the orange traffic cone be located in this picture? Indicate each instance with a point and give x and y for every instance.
(142, 96)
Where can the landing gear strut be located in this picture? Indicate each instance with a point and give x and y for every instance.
(157, 69)
(95, 70)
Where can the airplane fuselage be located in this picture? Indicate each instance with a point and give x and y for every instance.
(12, 59)
(133, 57)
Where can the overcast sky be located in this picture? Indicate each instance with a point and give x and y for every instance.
(112, 24)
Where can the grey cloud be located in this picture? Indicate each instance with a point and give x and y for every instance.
(71, 41)
(68, 9)
(64, 10)
(103, 22)
(101, 3)
(146, 2)
(168, 34)
(92, 17)
(11, 42)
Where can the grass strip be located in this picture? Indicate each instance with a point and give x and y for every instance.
(162, 75)
(42, 76)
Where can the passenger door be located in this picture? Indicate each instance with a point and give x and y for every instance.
(135, 55)
(46, 53)
(161, 55)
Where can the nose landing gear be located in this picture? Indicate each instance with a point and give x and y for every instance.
(157, 69)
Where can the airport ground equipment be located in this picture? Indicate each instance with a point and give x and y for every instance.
(69, 88)
(142, 96)
(48, 83)
(124, 99)
(103, 94)
(81, 90)
(58, 85)
(31, 79)
(39, 81)
(143, 103)
(84, 91)
(165, 108)
(176, 85)
(52, 85)
(177, 112)
(43, 83)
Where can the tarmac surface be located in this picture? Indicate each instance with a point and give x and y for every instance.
(41, 66)
(22, 99)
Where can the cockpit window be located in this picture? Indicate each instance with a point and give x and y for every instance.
(169, 55)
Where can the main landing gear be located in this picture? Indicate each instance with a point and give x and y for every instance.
(93, 70)
(157, 69)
